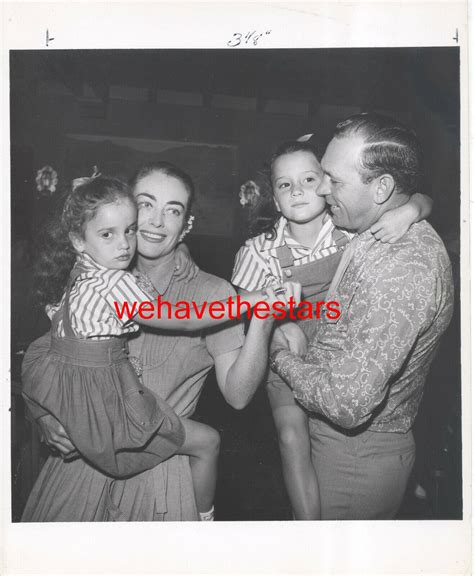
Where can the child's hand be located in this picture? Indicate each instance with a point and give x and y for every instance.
(275, 293)
(55, 435)
(395, 223)
(297, 341)
(184, 266)
(286, 292)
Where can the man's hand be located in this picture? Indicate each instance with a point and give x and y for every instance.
(297, 341)
(54, 435)
(184, 266)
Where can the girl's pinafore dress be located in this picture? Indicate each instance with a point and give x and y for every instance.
(90, 386)
(315, 279)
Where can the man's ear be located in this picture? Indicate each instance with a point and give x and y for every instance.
(77, 242)
(383, 188)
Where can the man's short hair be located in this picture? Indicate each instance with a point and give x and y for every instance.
(389, 148)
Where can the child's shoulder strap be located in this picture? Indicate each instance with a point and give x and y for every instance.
(284, 256)
(66, 314)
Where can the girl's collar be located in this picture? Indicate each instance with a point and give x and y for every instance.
(326, 226)
(83, 259)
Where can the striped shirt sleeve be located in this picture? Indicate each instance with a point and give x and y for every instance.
(123, 288)
(250, 269)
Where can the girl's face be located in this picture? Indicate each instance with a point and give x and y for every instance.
(110, 238)
(162, 206)
(295, 179)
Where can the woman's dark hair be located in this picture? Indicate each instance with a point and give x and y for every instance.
(169, 170)
(56, 255)
(265, 215)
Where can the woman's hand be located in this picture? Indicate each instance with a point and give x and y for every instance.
(55, 436)
(184, 266)
(297, 341)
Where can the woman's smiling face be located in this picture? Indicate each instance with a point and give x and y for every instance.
(162, 202)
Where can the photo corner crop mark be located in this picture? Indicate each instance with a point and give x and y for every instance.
(48, 38)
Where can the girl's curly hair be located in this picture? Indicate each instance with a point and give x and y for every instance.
(56, 255)
(264, 216)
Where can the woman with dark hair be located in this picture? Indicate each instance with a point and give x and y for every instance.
(172, 365)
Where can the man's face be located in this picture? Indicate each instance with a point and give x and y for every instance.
(350, 201)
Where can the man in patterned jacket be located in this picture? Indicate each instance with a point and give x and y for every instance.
(362, 377)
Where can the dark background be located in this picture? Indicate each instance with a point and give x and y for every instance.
(249, 100)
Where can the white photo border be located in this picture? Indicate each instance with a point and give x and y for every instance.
(431, 547)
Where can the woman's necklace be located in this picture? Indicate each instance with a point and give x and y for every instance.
(144, 282)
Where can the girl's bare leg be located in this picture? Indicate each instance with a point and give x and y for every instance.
(202, 445)
(298, 471)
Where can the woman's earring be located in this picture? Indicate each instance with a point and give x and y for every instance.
(188, 227)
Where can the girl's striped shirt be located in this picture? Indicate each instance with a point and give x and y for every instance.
(257, 265)
(92, 298)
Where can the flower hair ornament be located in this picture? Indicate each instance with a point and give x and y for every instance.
(46, 181)
(188, 227)
(249, 193)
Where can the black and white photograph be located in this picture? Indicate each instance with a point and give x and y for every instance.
(315, 192)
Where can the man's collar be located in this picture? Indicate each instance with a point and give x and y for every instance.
(283, 236)
(365, 241)
(365, 236)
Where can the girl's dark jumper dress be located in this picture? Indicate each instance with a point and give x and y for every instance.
(117, 425)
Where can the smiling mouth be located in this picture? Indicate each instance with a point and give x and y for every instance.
(152, 236)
